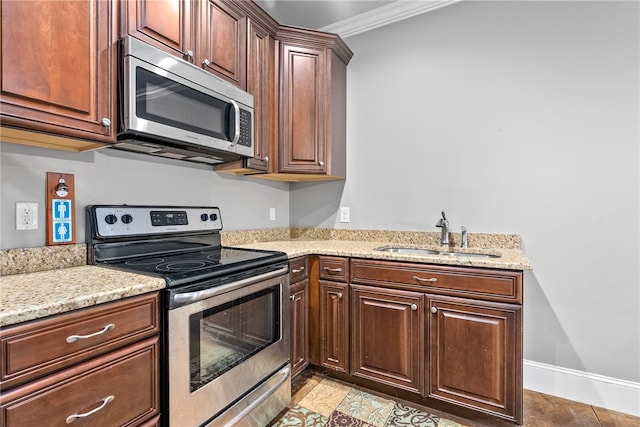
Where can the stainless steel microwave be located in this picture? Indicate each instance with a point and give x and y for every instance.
(171, 108)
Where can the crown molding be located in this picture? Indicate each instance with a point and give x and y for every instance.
(384, 15)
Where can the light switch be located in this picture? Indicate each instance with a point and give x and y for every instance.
(272, 214)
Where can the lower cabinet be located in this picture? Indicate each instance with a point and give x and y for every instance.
(96, 366)
(334, 325)
(117, 389)
(446, 337)
(474, 356)
(387, 336)
(299, 295)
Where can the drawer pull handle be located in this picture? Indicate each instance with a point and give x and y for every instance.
(74, 338)
(299, 270)
(421, 279)
(434, 310)
(105, 402)
(414, 307)
(333, 270)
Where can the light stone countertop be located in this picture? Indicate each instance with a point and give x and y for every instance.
(31, 296)
(66, 284)
(509, 259)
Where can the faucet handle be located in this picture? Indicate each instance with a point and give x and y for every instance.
(463, 238)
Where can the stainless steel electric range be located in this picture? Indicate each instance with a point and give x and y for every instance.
(225, 358)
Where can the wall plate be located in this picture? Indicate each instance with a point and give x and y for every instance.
(61, 224)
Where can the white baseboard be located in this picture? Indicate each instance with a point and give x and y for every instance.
(592, 389)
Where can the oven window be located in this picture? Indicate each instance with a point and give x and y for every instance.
(167, 102)
(224, 336)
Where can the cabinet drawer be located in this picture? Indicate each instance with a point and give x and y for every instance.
(43, 346)
(485, 284)
(299, 269)
(334, 268)
(117, 389)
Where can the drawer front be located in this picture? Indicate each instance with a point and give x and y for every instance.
(298, 269)
(115, 390)
(485, 284)
(334, 268)
(43, 346)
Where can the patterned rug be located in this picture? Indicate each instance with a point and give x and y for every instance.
(326, 403)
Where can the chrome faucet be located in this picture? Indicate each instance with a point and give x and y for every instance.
(463, 239)
(443, 223)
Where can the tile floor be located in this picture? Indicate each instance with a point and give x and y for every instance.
(322, 402)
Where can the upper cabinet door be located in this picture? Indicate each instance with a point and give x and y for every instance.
(58, 69)
(165, 24)
(223, 48)
(303, 110)
(260, 83)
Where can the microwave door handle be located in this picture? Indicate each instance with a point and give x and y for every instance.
(236, 109)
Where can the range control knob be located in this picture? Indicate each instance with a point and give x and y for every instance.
(127, 219)
(204, 217)
(111, 219)
(213, 217)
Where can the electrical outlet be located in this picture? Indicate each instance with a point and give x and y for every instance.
(272, 214)
(26, 216)
(345, 214)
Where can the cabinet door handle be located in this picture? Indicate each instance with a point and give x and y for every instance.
(299, 270)
(339, 295)
(292, 297)
(206, 62)
(414, 307)
(422, 279)
(74, 338)
(266, 159)
(434, 310)
(105, 402)
(333, 270)
(189, 55)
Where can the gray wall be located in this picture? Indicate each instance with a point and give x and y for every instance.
(514, 117)
(113, 177)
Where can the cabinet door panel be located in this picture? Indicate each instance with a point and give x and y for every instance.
(475, 358)
(387, 343)
(334, 329)
(260, 83)
(224, 48)
(303, 110)
(165, 24)
(57, 67)
(299, 326)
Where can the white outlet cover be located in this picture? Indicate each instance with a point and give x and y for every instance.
(345, 214)
(272, 214)
(26, 216)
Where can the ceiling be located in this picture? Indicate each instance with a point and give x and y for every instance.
(346, 17)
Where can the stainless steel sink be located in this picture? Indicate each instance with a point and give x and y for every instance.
(420, 251)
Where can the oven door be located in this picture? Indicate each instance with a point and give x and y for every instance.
(228, 352)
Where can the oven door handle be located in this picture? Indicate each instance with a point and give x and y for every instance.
(191, 297)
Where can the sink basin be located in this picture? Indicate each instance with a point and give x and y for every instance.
(420, 251)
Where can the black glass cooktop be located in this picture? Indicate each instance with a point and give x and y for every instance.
(195, 265)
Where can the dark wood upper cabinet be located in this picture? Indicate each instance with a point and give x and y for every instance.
(223, 41)
(58, 72)
(261, 84)
(313, 72)
(165, 24)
